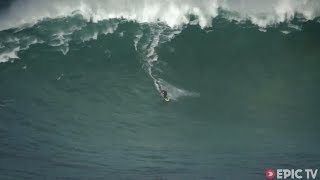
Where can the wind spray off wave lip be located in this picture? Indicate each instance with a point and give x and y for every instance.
(173, 13)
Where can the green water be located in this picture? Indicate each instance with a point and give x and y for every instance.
(243, 101)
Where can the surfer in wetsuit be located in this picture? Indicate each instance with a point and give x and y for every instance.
(164, 93)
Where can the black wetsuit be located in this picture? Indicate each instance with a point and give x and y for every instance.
(163, 92)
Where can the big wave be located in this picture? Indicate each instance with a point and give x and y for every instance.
(76, 20)
(171, 12)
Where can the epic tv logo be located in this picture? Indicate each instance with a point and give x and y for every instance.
(291, 174)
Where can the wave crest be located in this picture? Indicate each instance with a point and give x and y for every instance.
(173, 13)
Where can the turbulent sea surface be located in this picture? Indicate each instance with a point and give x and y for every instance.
(79, 99)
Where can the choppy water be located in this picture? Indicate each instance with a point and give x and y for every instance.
(78, 98)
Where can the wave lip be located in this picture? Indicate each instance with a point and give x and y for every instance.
(173, 13)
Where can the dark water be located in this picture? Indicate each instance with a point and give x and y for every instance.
(80, 103)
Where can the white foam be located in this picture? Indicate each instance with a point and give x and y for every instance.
(265, 13)
(111, 29)
(173, 13)
(21, 43)
(61, 40)
(174, 92)
(151, 50)
(137, 39)
(31, 42)
(262, 29)
(13, 40)
(295, 27)
(284, 11)
(57, 40)
(64, 49)
(24, 26)
(88, 37)
(6, 56)
(285, 32)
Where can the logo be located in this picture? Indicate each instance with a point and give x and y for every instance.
(270, 174)
(291, 174)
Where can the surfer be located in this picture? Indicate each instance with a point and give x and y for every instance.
(163, 92)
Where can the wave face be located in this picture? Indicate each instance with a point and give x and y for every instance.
(79, 93)
(173, 12)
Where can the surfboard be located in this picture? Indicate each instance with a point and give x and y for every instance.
(166, 99)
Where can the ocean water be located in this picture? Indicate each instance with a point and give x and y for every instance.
(79, 99)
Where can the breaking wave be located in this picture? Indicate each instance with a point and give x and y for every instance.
(58, 23)
(173, 13)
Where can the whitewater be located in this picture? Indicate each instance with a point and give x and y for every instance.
(173, 13)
